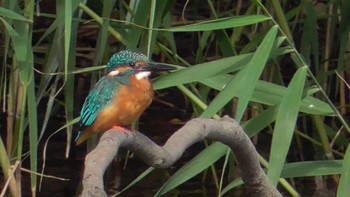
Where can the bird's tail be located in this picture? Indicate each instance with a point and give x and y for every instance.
(78, 135)
(83, 136)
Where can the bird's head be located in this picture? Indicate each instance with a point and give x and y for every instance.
(127, 62)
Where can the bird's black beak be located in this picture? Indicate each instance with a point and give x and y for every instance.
(154, 67)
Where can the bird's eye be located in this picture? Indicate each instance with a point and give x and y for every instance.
(132, 64)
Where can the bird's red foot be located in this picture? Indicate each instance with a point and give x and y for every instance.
(124, 129)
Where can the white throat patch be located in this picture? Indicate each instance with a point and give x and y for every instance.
(142, 75)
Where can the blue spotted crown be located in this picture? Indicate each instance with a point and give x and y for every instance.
(124, 57)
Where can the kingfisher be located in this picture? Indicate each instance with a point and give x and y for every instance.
(120, 96)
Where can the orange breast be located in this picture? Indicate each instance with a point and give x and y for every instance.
(130, 102)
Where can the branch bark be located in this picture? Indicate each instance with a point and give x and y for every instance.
(225, 130)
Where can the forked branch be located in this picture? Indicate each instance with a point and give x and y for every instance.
(226, 131)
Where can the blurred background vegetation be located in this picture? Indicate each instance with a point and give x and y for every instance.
(278, 67)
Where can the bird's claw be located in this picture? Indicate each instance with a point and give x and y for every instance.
(125, 130)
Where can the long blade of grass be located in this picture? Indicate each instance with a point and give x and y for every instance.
(152, 12)
(249, 75)
(54, 60)
(58, 21)
(18, 43)
(99, 20)
(223, 40)
(4, 159)
(233, 184)
(49, 107)
(204, 70)
(102, 40)
(157, 11)
(139, 16)
(301, 169)
(67, 34)
(169, 36)
(311, 168)
(221, 23)
(281, 18)
(312, 36)
(253, 126)
(12, 15)
(33, 133)
(202, 161)
(27, 74)
(137, 179)
(5, 166)
(285, 123)
(271, 94)
(69, 86)
(344, 182)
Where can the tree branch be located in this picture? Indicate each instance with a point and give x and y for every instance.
(226, 130)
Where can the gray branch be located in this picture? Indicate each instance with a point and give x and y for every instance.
(226, 131)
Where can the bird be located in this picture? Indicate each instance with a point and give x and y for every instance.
(121, 96)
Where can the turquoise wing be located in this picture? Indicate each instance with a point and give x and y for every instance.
(99, 98)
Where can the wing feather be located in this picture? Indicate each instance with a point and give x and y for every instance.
(99, 98)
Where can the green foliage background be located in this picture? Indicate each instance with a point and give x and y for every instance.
(243, 50)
